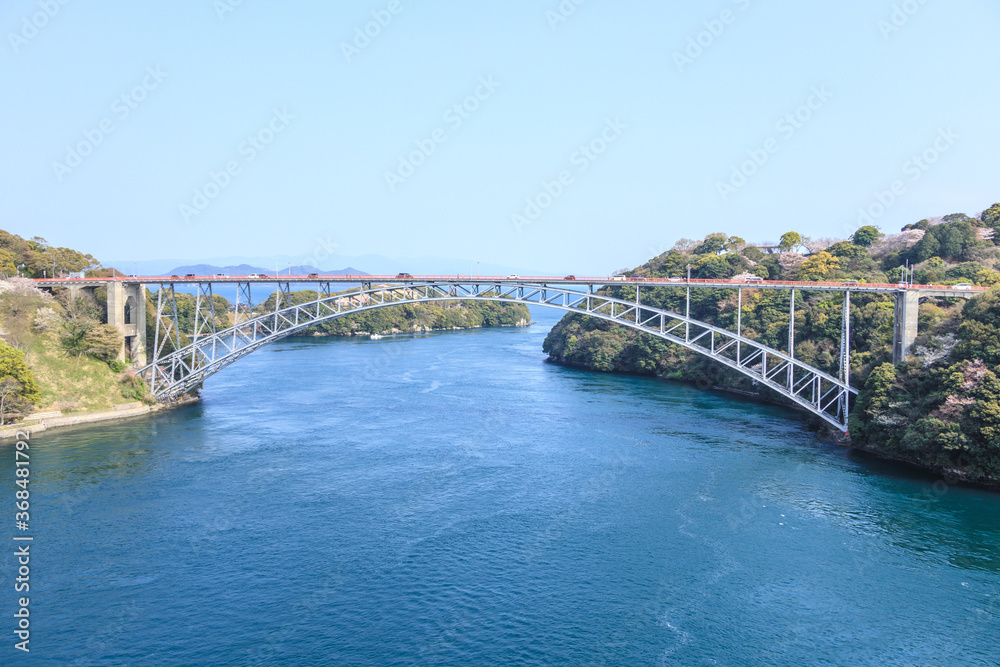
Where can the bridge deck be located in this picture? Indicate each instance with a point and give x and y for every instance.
(924, 290)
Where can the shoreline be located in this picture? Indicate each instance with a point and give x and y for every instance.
(118, 413)
(46, 421)
(521, 324)
(950, 476)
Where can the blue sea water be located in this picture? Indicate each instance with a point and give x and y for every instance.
(453, 499)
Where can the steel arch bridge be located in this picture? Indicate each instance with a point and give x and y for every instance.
(182, 368)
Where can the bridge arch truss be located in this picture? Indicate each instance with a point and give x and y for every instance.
(190, 360)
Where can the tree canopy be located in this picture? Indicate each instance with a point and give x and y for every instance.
(790, 241)
(866, 236)
(991, 216)
(12, 366)
(847, 250)
(41, 259)
(819, 266)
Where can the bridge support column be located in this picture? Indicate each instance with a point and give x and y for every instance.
(739, 321)
(137, 349)
(127, 312)
(905, 332)
(75, 291)
(845, 358)
(791, 339)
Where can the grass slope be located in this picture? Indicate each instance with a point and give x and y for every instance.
(72, 384)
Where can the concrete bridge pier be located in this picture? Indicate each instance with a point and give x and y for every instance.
(907, 314)
(76, 290)
(127, 312)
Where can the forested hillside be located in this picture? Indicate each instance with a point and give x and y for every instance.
(35, 258)
(938, 410)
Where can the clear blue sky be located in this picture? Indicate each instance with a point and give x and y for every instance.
(678, 128)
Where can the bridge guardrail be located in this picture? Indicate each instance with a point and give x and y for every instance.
(604, 280)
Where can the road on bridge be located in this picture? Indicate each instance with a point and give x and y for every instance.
(961, 290)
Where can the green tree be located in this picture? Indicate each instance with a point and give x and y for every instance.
(847, 250)
(712, 266)
(866, 236)
(103, 341)
(979, 333)
(873, 405)
(952, 243)
(8, 265)
(10, 392)
(80, 316)
(991, 216)
(790, 241)
(735, 244)
(926, 248)
(819, 266)
(988, 277)
(713, 244)
(22, 389)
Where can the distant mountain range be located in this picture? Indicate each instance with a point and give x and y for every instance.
(374, 265)
(247, 269)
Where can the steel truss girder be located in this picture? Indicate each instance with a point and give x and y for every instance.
(210, 351)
